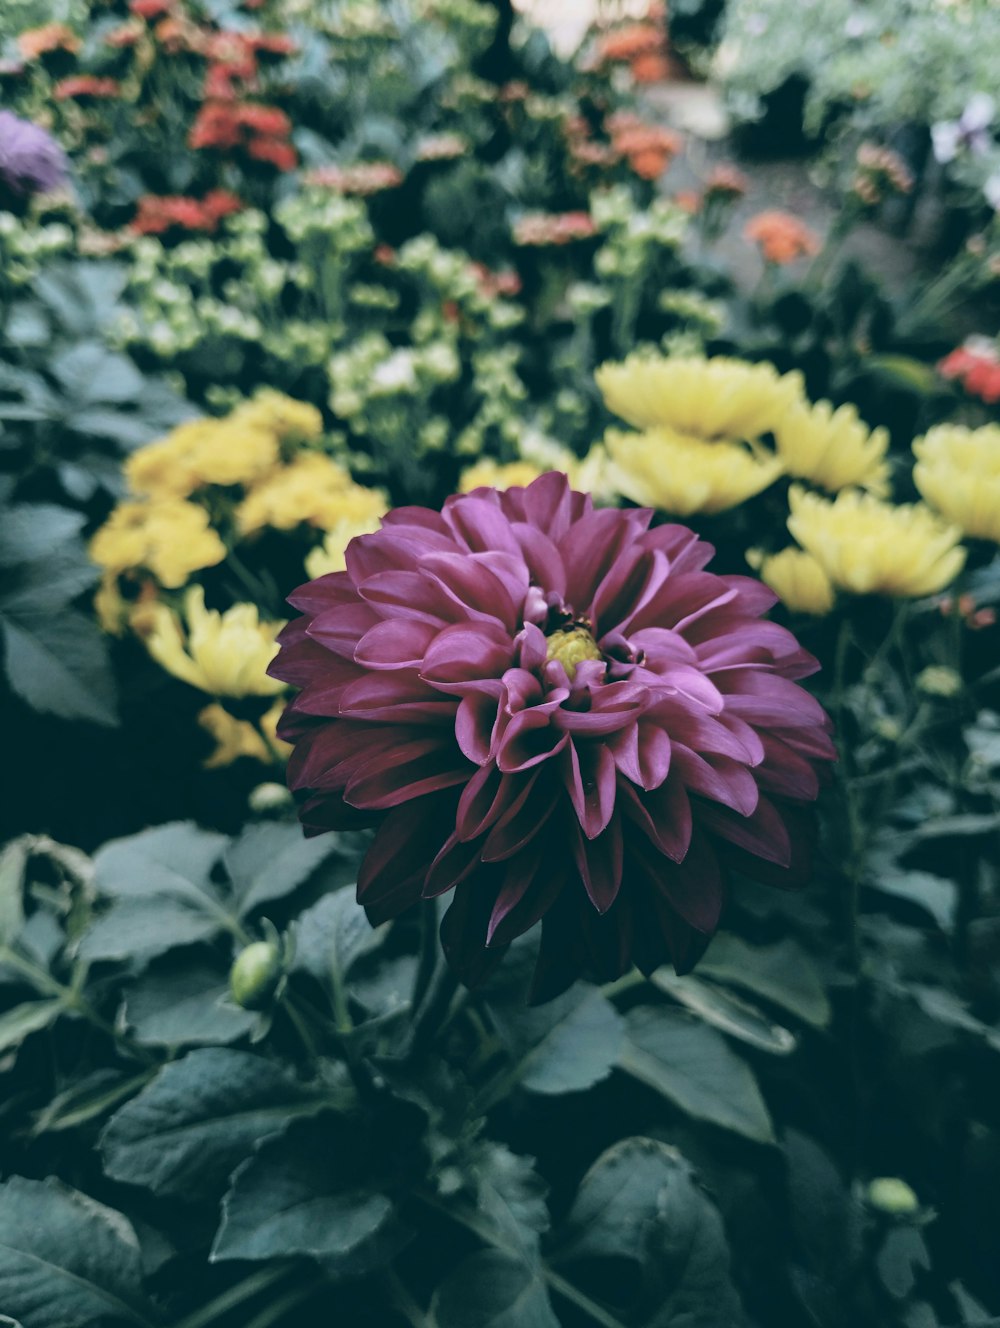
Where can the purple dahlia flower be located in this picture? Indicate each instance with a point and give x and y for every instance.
(556, 714)
(31, 161)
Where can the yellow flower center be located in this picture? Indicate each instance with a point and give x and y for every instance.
(572, 647)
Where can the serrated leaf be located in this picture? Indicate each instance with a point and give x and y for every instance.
(693, 1067)
(199, 1118)
(175, 858)
(50, 583)
(137, 930)
(182, 1001)
(729, 1013)
(492, 1289)
(565, 1046)
(22, 1020)
(270, 859)
(65, 1260)
(936, 895)
(89, 372)
(59, 664)
(332, 935)
(783, 974)
(640, 1203)
(32, 530)
(306, 1192)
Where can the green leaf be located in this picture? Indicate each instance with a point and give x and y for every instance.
(783, 974)
(936, 895)
(640, 1203)
(511, 1195)
(270, 859)
(492, 1290)
(13, 861)
(183, 1000)
(175, 858)
(65, 1260)
(565, 1046)
(903, 1251)
(32, 530)
(332, 935)
(199, 1118)
(306, 1192)
(88, 372)
(137, 930)
(725, 1011)
(49, 584)
(20, 1022)
(692, 1066)
(59, 664)
(87, 1099)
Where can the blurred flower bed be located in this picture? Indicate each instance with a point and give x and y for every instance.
(272, 271)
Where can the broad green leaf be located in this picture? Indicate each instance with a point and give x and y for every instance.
(565, 1046)
(903, 1251)
(307, 1192)
(936, 895)
(137, 930)
(88, 372)
(725, 1011)
(13, 861)
(905, 370)
(175, 858)
(692, 1065)
(59, 664)
(511, 1195)
(65, 1260)
(270, 859)
(184, 1000)
(89, 1098)
(492, 1289)
(22, 1020)
(199, 1118)
(33, 530)
(48, 584)
(783, 974)
(640, 1203)
(332, 935)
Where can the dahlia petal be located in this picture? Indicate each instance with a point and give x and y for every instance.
(422, 517)
(485, 586)
(550, 504)
(763, 833)
(463, 932)
(394, 643)
(527, 892)
(682, 600)
(589, 550)
(321, 814)
(663, 647)
(476, 724)
(694, 887)
(642, 753)
(410, 771)
(401, 852)
(541, 557)
(686, 552)
(600, 861)
(480, 525)
(718, 778)
(769, 701)
(784, 771)
(591, 781)
(526, 815)
(323, 593)
(391, 550)
(528, 738)
(322, 693)
(663, 815)
(399, 697)
(341, 628)
(453, 864)
(466, 653)
(613, 707)
(485, 798)
(531, 646)
(411, 595)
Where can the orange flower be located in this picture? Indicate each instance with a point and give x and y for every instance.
(651, 68)
(85, 85)
(150, 9)
(782, 238)
(726, 179)
(35, 42)
(649, 148)
(624, 45)
(689, 200)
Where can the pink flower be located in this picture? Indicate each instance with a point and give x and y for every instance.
(555, 714)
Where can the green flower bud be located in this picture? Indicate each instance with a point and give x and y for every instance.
(891, 1195)
(938, 680)
(255, 974)
(269, 798)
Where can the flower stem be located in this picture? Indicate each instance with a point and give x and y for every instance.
(207, 1316)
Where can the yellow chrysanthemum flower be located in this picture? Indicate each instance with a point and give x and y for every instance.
(870, 547)
(170, 538)
(224, 654)
(284, 416)
(312, 489)
(363, 512)
(717, 398)
(233, 738)
(199, 452)
(679, 475)
(833, 448)
(796, 578)
(958, 472)
(497, 475)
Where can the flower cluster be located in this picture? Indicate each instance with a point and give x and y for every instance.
(781, 237)
(555, 714)
(157, 215)
(362, 178)
(976, 365)
(31, 162)
(544, 228)
(642, 46)
(958, 473)
(649, 149)
(87, 87)
(880, 174)
(261, 132)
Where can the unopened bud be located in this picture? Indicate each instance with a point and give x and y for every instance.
(889, 1194)
(255, 974)
(269, 798)
(938, 680)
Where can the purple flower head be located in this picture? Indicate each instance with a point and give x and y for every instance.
(969, 133)
(31, 161)
(555, 714)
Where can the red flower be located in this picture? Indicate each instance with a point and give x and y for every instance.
(782, 238)
(159, 214)
(150, 9)
(976, 365)
(51, 37)
(555, 714)
(554, 228)
(83, 86)
(362, 178)
(275, 152)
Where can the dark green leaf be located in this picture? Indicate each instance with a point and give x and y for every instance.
(492, 1290)
(270, 859)
(65, 1260)
(198, 1119)
(50, 583)
(22, 1020)
(184, 1000)
(32, 530)
(903, 1251)
(934, 894)
(91, 1097)
(725, 1011)
(138, 930)
(783, 974)
(511, 1195)
(13, 861)
(331, 935)
(565, 1046)
(59, 664)
(306, 1192)
(175, 858)
(692, 1066)
(640, 1203)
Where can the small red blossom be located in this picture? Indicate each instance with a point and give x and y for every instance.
(157, 215)
(976, 365)
(781, 237)
(554, 228)
(150, 9)
(274, 151)
(51, 37)
(362, 178)
(725, 181)
(82, 87)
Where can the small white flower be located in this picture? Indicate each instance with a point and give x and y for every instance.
(970, 132)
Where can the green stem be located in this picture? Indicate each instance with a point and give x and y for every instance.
(279, 1308)
(401, 1300)
(430, 954)
(257, 1282)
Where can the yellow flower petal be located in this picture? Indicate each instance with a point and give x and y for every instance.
(833, 448)
(682, 475)
(224, 654)
(798, 580)
(958, 473)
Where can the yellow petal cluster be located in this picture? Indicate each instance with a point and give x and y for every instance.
(668, 470)
(958, 473)
(238, 737)
(870, 547)
(224, 654)
(717, 398)
(169, 537)
(312, 489)
(797, 579)
(201, 452)
(363, 510)
(833, 448)
(491, 474)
